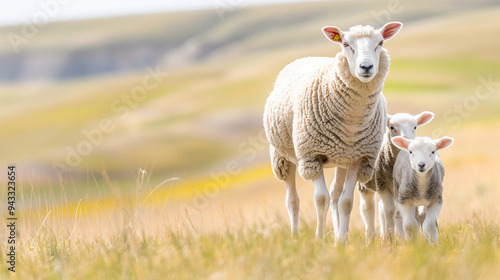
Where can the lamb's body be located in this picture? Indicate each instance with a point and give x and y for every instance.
(318, 116)
(418, 181)
(413, 188)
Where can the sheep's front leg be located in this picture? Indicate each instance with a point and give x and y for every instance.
(367, 208)
(346, 200)
(410, 224)
(335, 192)
(389, 207)
(321, 199)
(430, 225)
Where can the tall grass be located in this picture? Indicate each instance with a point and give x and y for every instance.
(136, 239)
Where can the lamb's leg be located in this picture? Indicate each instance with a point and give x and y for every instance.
(389, 209)
(367, 208)
(410, 224)
(292, 199)
(420, 215)
(346, 200)
(430, 225)
(398, 220)
(335, 191)
(381, 218)
(321, 198)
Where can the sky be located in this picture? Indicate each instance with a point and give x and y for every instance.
(13, 12)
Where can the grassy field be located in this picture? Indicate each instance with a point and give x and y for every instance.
(182, 187)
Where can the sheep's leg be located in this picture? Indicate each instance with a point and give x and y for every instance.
(321, 198)
(430, 225)
(335, 191)
(346, 200)
(410, 224)
(292, 199)
(389, 209)
(398, 220)
(367, 208)
(420, 215)
(381, 218)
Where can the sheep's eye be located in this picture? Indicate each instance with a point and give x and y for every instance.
(415, 127)
(392, 127)
(411, 152)
(433, 152)
(346, 45)
(381, 43)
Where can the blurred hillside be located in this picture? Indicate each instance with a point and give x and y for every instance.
(207, 110)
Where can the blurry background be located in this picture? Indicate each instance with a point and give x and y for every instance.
(88, 101)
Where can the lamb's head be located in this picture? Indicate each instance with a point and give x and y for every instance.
(362, 46)
(403, 124)
(422, 150)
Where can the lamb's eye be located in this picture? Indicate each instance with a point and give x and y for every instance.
(346, 45)
(415, 127)
(381, 43)
(433, 152)
(411, 152)
(392, 127)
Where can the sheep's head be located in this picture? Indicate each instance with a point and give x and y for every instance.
(362, 46)
(403, 124)
(422, 150)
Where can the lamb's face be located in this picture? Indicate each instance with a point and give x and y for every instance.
(403, 124)
(422, 154)
(362, 46)
(423, 150)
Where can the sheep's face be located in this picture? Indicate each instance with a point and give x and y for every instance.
(423, 150)
(362, 46)
(403, 124)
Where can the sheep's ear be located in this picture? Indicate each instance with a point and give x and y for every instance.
(443, 143)
(389, 120)
(390, 29)
(401, 142)
(333, 34)
(424, 118)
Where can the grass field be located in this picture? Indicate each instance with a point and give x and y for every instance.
(182, 187)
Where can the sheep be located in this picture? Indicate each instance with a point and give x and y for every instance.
(330, 112)
(418, 179)
(401, 124)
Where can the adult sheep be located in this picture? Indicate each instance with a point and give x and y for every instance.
(330, 112)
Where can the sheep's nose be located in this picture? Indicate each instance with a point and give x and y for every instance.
(421, 166)
(366, 67)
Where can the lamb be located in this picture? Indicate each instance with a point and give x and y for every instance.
(418, 179)
(401, 124)
(330, 112)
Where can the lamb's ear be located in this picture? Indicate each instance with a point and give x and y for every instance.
(389, 120)
(443, 143)
(333, 34)
(390, 29)
(401, 142)
(424, 118)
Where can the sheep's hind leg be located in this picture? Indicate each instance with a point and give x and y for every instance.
(346, 201)
(367, 209)
(284, 170)
(292, 199)
(335, 192)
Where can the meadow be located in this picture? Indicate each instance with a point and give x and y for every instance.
(182, 187)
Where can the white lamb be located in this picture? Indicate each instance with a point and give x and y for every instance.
(418, 179)
(401, 124)
(330, 112)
